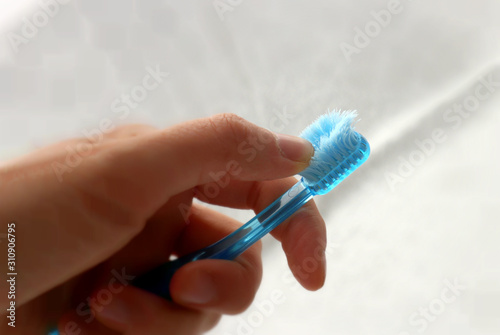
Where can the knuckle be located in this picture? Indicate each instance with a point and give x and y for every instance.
(229, 126)
(227, 118)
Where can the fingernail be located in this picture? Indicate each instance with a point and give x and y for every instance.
(323, 267)
(199, 290)
(295, 148)
(116, 310)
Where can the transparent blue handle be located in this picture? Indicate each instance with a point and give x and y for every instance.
(157, 281)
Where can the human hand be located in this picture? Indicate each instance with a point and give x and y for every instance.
(84, 234)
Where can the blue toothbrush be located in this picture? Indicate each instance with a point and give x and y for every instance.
(339, 150)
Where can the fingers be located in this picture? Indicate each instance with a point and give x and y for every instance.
(303, 235)
(136, 312)
(223, 286)
(170, 161)
(201, 290)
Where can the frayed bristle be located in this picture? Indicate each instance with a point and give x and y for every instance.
(339, 150)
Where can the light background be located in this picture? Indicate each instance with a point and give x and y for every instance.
(392, 246)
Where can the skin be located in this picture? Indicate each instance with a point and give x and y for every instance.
(119, 210)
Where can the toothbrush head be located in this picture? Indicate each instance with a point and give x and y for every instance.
(339, 150)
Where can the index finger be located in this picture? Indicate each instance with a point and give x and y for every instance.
(167, 162)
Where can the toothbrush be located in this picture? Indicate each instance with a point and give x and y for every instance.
(339, 150)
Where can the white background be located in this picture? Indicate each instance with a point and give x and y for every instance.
(393, 245)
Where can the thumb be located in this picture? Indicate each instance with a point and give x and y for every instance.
(214, 149)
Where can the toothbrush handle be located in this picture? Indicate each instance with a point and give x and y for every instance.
(157, 281)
